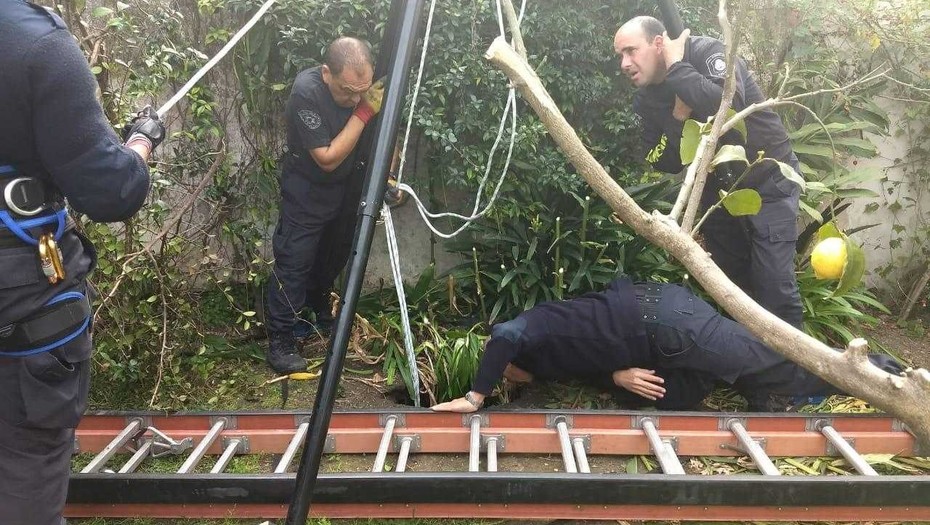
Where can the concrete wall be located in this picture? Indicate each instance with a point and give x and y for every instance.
(896, 186)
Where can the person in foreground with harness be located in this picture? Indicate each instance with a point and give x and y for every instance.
(651, 343)
(328, 109)
(56, 151)
(682, 78)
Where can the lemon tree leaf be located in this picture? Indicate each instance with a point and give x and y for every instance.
(812, 212)
(828, 230)
(690, 138)
(855, 268)
(740, 126)
(789, 173)
(730, 153)
(741, 202)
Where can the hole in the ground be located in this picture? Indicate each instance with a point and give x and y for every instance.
(401, 396)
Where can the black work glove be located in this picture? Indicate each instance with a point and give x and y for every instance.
(147, 124)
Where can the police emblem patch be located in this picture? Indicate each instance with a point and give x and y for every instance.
(311, 119)
(716, 64)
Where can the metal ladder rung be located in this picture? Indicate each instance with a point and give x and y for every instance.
(381, 457)
(474, 443)
(662, 449)
(752, 447)
(568, 455)
(492, 453)
(131, 430)
(228, 454)
(194, 459)
(580, 455)
(852, 456)
(404, 453)
(292, 447)
(137, 458)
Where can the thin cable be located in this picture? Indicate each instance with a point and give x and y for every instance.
(216, 58)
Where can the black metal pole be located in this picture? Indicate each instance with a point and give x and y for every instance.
(401, 49)
(671, 17)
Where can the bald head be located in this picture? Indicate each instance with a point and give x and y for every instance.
(350, 52)
(648, 26)
(348, 70)
(639, 44)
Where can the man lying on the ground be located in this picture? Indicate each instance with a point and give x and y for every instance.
(658, 342)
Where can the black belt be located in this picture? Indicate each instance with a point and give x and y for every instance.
(648, 296)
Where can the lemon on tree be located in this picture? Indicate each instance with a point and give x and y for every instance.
(829, 258)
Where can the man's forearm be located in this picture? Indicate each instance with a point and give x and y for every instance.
(331, 157)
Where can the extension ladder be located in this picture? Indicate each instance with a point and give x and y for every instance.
(586, 446)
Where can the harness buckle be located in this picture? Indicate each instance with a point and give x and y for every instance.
(25, 196)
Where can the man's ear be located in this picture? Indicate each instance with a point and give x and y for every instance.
(327, 74)
(658, 41)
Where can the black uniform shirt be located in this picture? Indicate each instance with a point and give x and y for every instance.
(585, 339)
(53, 128)
(313, 121)
(52, 125)
(698, 81)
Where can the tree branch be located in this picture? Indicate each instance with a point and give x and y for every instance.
(864, 380)
(710, 141)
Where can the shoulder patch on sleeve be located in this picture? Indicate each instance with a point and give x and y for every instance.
(716, 65)
(310, 118)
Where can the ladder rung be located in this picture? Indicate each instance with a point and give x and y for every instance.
(194, 459)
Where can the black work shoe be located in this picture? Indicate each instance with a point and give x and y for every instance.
(282, 355)
(323, 323)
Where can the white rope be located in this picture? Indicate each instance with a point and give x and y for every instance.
(213, 61)
(393, 252)
(425, 214)
(402, 300)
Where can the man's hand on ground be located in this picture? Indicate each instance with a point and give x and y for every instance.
(461, 405)
(641, 382)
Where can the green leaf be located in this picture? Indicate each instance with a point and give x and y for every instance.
(789, 173)
(855, 268)
(690, 138)
(813, 213)
(740, 126)
(828, 230)
(741, 202)
(818, 151)
(101, 11)
(729, 153)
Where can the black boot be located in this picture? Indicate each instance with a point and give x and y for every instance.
(282, 355)
(324, 323)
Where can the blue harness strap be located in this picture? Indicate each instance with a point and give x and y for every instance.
(19, 227)
(37, 326)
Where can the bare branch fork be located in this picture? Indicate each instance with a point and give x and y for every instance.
(906, 397)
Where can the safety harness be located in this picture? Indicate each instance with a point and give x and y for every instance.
(28, 204)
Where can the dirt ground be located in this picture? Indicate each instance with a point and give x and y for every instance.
(908, 344)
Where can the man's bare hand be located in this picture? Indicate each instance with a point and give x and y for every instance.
(460, 405)
(641, 382)
(681, 111)
(673, 50)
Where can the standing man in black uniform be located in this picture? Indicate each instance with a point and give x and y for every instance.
(328, 108)
(652, 343)
(683, 78)
(56, 150)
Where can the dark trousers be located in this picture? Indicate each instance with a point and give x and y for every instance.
(687, 334)
(311, 245)
(757, 252)
(43, 397)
